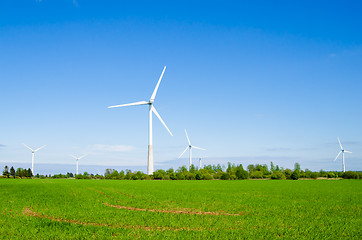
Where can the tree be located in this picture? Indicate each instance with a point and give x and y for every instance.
(30, 174)
(295, 175)
(240, 173)
(251, 168)
(297, 166)
(278, 176)
(272, 167)
(19, 172)
(12, 171)
(6, 172)
(160, 174)
(192, 168)
(288, 173)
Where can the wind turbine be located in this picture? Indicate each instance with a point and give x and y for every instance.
(151, 109)
(77, 159)
(200, 165)
(190, 147)
(32, 156)
(342, 151)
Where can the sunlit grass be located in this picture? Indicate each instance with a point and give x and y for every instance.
(86, 209)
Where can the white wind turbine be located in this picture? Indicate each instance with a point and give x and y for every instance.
(32, 156)
(151, 109)
(77, 159)
(342, 151)
(190, 147)
(200, 165)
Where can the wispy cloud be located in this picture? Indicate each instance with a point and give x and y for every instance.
(112, 148)
(2, 145)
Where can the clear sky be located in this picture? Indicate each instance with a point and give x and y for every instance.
(252, 82)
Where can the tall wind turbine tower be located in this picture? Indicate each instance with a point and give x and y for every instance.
(342, 151)
(76, 160)
(32, 156)
(190, 147)
(150, 110)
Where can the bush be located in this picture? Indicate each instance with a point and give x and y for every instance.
(295, 175)
(191, 176)
(314, 175)
(225, 176)
(331, 175)
(351, 175)
(180, 176)
(288, 173)
(256, 174)
(159, 174)
(207, 176)
(278, 176)
(241, 174)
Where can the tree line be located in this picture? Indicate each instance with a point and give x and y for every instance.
(20, 172)
(208, 172)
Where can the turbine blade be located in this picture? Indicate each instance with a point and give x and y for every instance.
(198, 148)
(347, 151)
(158, 84)
(83, 156)
(187, 137)
(183, 151)
(39, 148)
(340, 144)
(130, 104)
(337, 156)
(73, 157)
(28, 147)
(159, 117)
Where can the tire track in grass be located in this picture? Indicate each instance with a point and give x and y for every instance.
(30, 212)
(183, 211)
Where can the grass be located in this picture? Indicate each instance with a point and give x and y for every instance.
(95, 209)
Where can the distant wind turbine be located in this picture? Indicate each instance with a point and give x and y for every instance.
(200, 165)
(77, 159)
(32, 156)
(342, 151)
(151, 109)
(190, 147)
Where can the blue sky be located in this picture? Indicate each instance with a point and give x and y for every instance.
(251, 82)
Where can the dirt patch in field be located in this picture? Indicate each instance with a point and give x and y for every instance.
(30, 212)
(185, 211)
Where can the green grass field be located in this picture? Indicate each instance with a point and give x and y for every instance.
(101, 209)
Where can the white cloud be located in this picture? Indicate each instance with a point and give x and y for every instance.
(112, 148)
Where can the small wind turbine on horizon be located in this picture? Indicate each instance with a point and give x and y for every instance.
(200, 165)
(32, 156)
(190, 147)
(76, 160)
(151, 109)
(342, 151)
